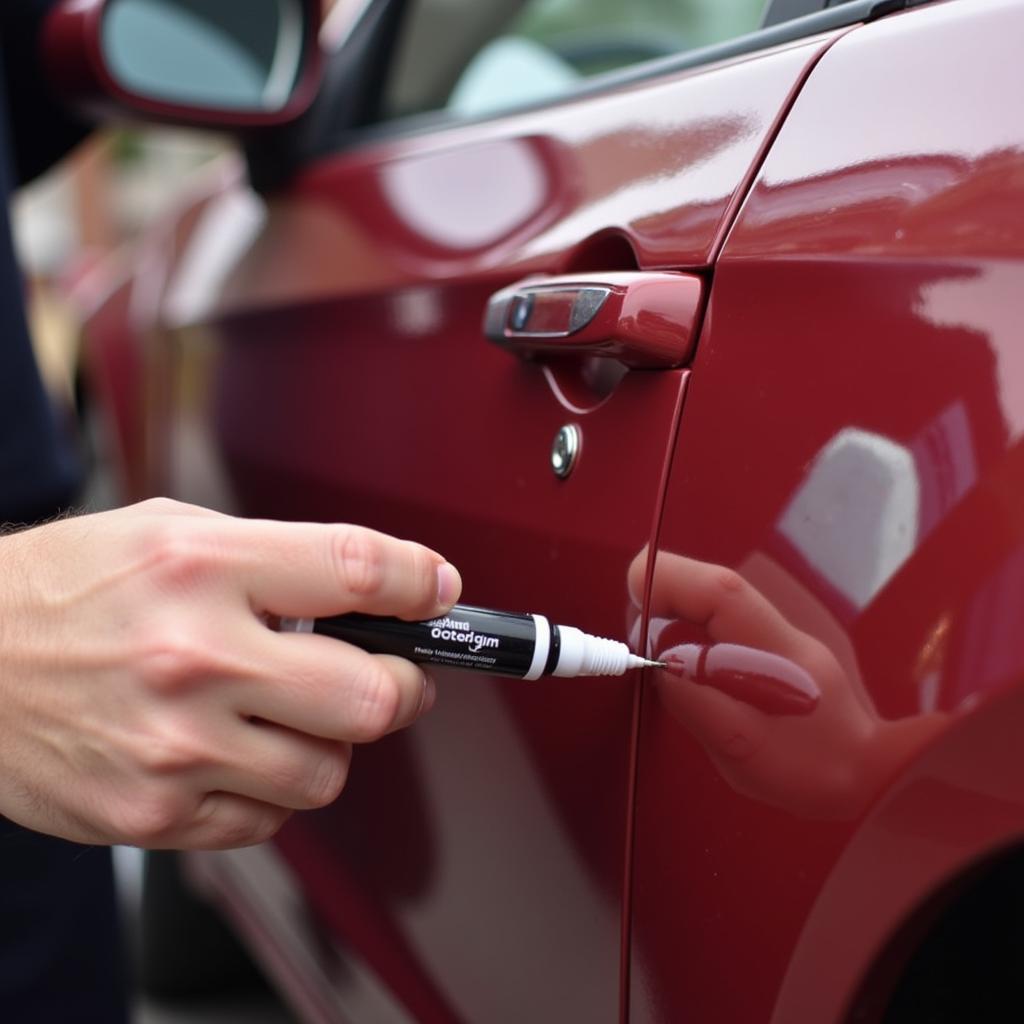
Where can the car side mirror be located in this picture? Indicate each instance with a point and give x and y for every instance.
(242, 64)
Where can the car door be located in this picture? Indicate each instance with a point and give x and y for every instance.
(850, 468)
(322, 355)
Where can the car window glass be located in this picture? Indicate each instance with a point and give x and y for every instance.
(473, 57)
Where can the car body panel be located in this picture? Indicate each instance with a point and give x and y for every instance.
(330, 363)
(862, 345)
(661, 164)
(847, 462)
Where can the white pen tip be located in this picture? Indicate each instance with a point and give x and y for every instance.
(635, 661)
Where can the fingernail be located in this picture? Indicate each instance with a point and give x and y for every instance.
(449, 584)
(768, 682)
(429, 694)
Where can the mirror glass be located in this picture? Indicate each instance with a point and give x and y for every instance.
(243, 55)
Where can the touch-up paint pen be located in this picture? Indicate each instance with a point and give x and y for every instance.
(500, 643)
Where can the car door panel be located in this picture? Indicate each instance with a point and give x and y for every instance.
(662, 164)
(475, 866)
(863, 346)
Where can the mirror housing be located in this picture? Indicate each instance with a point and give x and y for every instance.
(210, 68)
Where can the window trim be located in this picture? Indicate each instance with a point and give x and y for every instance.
(845, 14)
(280, 154)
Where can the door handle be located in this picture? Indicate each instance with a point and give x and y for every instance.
(642, 319)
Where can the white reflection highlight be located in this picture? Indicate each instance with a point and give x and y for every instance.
(467, 198)
(518, 864)
(278, 919)
(224, 234)
(855, 516)
(340, 22)
(417, 311)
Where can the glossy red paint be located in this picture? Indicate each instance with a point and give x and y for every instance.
(73, 53)
(847, 486)
(476, 865)
(839, 556)
(644, 178)
(488, 813)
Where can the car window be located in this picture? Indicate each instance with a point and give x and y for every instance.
(474, 57)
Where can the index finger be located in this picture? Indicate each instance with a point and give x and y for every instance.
(305, 570)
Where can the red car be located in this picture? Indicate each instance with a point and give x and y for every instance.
(720, 353)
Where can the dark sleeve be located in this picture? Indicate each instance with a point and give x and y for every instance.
(43, 128)
(39, 469)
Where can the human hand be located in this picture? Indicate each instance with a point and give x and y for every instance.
(143, 698)
(770, 704)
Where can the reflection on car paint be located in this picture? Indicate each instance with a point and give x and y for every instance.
(772, 684)
(472, 196)
(772, 707)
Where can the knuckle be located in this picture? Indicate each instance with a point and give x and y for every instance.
(325, 783)
(425, 572)
(171, 751)
(150, 818)
(159, 506)
(729, 583)
(267, 825)
(359, 561)
(172, 657)
(815, 659)
(235, 827)
(226, 832)
(179, 552)
(374, 702)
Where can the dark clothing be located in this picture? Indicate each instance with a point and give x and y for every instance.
(38, 470)
(60, 958)
(60, 954)
(43, 127)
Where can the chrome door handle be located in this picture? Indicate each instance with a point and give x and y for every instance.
(642, 319)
